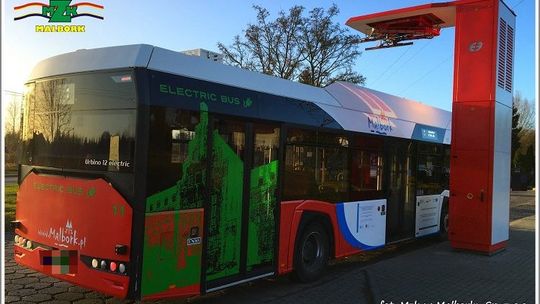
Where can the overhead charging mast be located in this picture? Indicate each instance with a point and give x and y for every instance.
(482, 97)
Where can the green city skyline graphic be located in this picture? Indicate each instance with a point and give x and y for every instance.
(181, 268)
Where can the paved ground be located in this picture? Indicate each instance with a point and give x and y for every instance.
(440, 274)
(10, 179)
(426, 271)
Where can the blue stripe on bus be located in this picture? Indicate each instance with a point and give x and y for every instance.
(349, 237)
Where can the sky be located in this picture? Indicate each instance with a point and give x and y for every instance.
(422, 72)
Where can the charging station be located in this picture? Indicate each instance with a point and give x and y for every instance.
(481, 108)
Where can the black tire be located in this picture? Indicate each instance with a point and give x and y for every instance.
(444, 220)
(311, 253)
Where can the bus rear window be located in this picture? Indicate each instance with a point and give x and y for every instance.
(84, 122)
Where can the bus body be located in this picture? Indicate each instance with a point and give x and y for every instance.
(146, 173)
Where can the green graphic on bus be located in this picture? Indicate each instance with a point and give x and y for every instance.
(169, 262)
(262, 202)
(224, 226)
(189, 190)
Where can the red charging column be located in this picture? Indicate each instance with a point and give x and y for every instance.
(481, 126)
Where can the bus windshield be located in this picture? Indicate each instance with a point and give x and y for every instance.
(81, 122)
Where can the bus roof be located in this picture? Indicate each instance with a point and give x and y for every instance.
(354, 107)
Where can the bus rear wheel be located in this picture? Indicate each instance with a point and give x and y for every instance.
(311, 254)
(444, 221)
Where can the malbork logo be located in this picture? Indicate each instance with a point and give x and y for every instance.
(58, 11)
(380, 124)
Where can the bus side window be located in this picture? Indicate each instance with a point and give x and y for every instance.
(367, 167)
(446, 169)
(172, 130)
(180, 139)
(366, 171)
(266, 147)
(430, 169)
(332, 168)
(299, 176)
(316, 166)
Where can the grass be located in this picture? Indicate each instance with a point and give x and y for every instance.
(10, 198)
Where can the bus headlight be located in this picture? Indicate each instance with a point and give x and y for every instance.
(102, 264)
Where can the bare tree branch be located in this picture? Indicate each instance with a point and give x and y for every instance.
(53, 113)
(311, 49)
(525, 109)
(13, 112)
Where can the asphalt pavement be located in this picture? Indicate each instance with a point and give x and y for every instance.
(425, 271)
(10, 179)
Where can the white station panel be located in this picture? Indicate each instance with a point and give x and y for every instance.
(428, 214)
(501, 173)
(363, 223)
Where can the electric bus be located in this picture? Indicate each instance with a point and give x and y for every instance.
(146, 173)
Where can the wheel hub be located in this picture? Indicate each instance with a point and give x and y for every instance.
(311, 250)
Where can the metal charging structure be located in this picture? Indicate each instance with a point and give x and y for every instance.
(481, 108)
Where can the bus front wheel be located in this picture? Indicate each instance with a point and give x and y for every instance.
(311, 254)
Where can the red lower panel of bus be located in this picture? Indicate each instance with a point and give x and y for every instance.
(291, 214)
(77, 230)
(172, 254)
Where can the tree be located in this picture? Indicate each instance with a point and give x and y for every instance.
(13, 112)
(270, 46)
(311, 49)
(12, 139)
(526, 161)
(523, 142)
(525, 108)
(53, 98)
(329, 50)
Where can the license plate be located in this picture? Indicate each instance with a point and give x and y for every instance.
(59, 261)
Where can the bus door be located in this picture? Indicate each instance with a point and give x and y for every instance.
(241, 226)
(400, 216)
